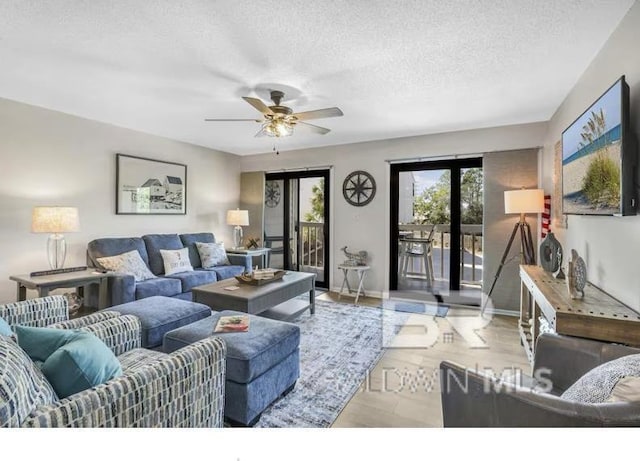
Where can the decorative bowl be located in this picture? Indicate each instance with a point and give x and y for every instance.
(262, 278)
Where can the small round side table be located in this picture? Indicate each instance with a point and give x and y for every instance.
(361, 271)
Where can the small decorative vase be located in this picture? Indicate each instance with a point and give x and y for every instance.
(551, 254)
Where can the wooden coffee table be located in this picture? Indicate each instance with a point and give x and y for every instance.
(276, 300)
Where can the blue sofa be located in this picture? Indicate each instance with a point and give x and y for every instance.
(123, 288)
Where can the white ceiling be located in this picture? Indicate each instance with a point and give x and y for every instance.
(396, 68)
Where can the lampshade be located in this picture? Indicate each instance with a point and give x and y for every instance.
(524, 201)
(238, 217)
(55, 219)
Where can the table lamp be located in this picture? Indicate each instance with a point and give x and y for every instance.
(237, 218)
(55, 220)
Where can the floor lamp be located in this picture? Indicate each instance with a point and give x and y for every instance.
(519, 202)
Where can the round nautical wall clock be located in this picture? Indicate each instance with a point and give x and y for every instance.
(359, 188)
(272, 194)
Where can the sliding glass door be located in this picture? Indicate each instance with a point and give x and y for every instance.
(436, 226)
(296, 222)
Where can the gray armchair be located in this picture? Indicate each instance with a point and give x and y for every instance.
(181, 389)
(472, 399)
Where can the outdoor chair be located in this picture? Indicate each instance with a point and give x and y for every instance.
(412, 249)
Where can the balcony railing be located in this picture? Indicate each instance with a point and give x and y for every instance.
(311, 246)
(470, 249)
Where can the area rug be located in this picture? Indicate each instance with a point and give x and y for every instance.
(436, 308)
(338, 346)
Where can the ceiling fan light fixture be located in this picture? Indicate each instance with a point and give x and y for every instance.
(279, 121)
(277, 128)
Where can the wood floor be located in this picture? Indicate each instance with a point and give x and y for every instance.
(403, 388)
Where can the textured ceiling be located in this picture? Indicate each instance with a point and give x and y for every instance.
(395, 68)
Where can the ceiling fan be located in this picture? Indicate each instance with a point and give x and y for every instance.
(278, 120)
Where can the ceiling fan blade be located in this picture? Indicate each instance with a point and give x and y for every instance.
(315, 128)
(232, 120)
(258, 104)
(320, 113)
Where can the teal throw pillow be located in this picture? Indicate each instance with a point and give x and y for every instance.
(72, 360)
(5, 329)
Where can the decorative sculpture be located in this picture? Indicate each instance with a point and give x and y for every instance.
(354, 259)
(551, 255)
(576, 276)
(253, 243)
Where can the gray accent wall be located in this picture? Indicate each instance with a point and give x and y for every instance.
(506, 171)
(252, 199)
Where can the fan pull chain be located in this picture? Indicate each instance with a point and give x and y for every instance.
(276, 151)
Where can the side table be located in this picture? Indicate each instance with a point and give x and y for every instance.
(264, 253)
(44, 283)
(361, 271)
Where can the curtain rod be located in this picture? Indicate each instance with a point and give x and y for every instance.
(435, 157)
(308, 168)
(459, 156)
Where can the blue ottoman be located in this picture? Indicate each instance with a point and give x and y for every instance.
(159, 314)
(262, 364)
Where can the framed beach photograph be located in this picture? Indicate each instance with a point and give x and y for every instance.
(598, 157)
(148, 186)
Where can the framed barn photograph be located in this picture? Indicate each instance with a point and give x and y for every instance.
(148, 186)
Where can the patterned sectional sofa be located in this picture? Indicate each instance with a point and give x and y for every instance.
(123, 288)
(183, 389)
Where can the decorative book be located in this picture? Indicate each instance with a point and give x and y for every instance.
(65, 270)
(232, 324)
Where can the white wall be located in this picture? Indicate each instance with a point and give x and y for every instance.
(367, 228)
(50, 158)
(610, 245)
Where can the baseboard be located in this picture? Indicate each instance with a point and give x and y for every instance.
(370, 293)
(385, 295)
(505, 312)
